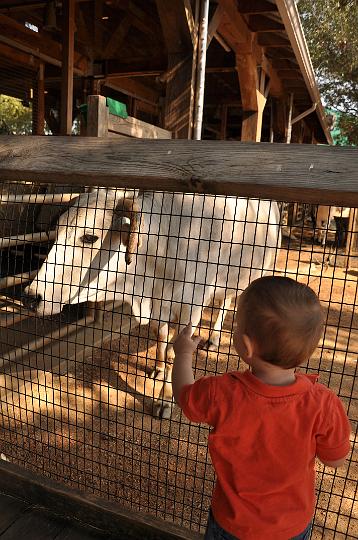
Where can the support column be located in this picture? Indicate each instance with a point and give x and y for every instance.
(254, 92)
(352, 239)
(200, 79)
(68, 31)
(289, 121)
(38, 104)
(179, 31)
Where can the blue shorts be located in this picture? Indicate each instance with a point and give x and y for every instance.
(215, 532)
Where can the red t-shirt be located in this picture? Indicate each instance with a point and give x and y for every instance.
(263, 446)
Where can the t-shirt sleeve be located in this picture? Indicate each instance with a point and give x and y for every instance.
(197, 401)
(333, 437)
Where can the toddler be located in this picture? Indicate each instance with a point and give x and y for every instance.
(268, 423)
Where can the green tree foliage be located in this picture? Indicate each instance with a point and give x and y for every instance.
(15, 119)
(331, 30)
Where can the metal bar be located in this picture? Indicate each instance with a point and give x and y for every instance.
(289, 121)
(50, 198)
(6, 321)
(304, 114)
(200, 84)
(21, 352)
(20, 239)
(11, 281)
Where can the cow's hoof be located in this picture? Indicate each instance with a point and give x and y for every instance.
(208, 345)
(162, 410)
(157, 374)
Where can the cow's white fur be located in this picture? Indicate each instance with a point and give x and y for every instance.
(193, 249)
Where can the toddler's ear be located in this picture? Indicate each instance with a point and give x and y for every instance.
(249, 346)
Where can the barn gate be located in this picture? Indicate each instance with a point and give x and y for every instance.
(76, 399)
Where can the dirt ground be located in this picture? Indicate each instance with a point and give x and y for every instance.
(92, 428)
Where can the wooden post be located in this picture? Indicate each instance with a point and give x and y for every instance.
(279, 120)
(289, 121)
(179, 42)
(68, 31)
(352, 239)
(223, 125)
(97, 116)
(253, 96)
(271, 121)
(200, 76)
(38, 105)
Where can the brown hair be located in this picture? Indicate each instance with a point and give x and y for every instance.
(284, 318)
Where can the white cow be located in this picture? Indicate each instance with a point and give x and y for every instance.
(167, 255)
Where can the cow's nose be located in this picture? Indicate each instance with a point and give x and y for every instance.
(31, 301)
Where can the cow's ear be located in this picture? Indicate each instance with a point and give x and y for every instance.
(120, 228)
(128, 209)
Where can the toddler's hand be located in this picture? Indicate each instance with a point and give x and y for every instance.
(185, 343)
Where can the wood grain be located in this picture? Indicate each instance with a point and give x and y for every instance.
(69, 502)
(296, 172)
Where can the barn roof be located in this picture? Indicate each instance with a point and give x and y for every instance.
(127, 46)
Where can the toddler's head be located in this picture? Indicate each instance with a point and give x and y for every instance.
(283, 319)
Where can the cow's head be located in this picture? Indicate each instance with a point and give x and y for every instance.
(97, 238)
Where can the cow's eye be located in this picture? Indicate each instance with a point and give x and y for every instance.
(89, 238)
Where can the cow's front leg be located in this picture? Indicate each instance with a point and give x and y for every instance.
(162, 341)
(163, 371)
(212, 344)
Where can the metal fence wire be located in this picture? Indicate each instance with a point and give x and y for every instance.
(83, 272)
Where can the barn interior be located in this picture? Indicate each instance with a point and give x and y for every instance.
(54, 54)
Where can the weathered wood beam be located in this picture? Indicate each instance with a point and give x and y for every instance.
(19, 57)
(190, 20)
(132, 127)
(97, 116)
(223, 122)
(141, 18)
(175, 27)
(268, 39)
(281, 54)
(68, 31)
(292, 74)
(260, 23)
(133, 88)
(239, 29)
(284, 64)
(279, 121)
(22, 4)
(214, 23)
(106, 515)
(235, 31)
(114, 67)
(39, 45)
(38, 104)
(178, 106)
(254, 92)
(249, 7)
(117, 37)
(352, 238)
(306, 173)
(98, 27)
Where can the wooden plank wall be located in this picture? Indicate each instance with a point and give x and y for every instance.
(100, 123)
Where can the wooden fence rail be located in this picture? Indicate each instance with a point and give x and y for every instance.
(306, 173)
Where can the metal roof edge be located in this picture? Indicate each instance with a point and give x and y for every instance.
(291, 20)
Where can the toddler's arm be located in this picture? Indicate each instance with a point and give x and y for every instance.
(333, 438)
(184, 347)
(334, 464)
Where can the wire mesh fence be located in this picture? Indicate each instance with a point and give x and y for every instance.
(95, 283)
